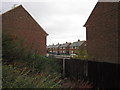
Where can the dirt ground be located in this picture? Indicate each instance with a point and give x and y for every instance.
(68, 83)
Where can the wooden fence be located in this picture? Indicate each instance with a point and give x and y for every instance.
(101, 74)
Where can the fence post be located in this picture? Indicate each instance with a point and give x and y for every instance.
(86, 68)
(63, 67)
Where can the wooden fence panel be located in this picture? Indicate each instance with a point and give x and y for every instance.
(101, 74)
(75, 68)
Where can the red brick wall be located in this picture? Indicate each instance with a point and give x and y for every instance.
(21, 24)
(102, 32)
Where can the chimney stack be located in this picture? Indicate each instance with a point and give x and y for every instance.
(78, 40)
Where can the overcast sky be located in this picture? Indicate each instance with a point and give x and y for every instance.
(63, 20)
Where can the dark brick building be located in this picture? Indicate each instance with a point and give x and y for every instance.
(64, 48)
(53, 49)
(75, 46)
(103, 32)
(20, 23)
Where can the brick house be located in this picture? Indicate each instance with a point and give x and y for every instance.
(50, 49)
(20, 23)
(75, 46)
(64, 48)
(103, 32)
(53, 49)
(56, 49)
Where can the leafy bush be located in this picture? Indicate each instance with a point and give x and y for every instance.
(26, 66)
(8, 47)
(15, 51)
(14, 78)
(12, 49)
(43, 64)
(83, 54)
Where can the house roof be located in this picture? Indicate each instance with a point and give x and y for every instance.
(101, 8)
(17, 9)
(50, 46)
(56, 46)
(65, 45)
(79, 43)
(53, 46)
(86, 23)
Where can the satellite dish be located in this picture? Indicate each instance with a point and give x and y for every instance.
(14, 5)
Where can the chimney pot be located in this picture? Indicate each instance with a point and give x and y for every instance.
(78, 40)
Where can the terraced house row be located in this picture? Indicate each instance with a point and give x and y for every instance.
(66, 48)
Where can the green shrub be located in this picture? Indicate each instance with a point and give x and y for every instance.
(8, 48)
(83, 54)
(42, 64)
(14, 79)
(53, 65)
(12, 49)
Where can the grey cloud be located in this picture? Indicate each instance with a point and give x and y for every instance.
(62, 20)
